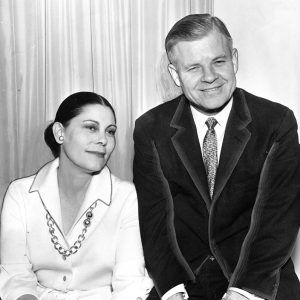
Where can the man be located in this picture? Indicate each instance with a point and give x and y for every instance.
(217, 176)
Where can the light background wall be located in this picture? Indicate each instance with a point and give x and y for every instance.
(267, 36)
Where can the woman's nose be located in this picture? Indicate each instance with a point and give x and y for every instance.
(102, 139)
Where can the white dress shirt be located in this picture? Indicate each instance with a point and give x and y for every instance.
(108, 265)
(221, 117)
(200, 119)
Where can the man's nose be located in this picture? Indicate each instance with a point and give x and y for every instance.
(209, 74)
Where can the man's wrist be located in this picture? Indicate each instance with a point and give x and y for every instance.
(244, 293)
(175, 290)
(178, 296)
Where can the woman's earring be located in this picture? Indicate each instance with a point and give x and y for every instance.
(61, 138)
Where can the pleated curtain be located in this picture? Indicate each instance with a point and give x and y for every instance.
(52, 48)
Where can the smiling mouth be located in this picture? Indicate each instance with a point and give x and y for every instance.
(99, 154)
(211, 90)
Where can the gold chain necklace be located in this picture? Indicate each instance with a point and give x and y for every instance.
(81, 237)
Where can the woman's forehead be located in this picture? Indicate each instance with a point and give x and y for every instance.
(97, 112)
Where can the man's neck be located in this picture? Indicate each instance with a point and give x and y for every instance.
(210, 112)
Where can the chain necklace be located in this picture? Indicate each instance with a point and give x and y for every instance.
(81, 237)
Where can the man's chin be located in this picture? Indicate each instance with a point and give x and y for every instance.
(210, 110)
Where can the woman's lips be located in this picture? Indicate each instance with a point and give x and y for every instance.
(98, 153)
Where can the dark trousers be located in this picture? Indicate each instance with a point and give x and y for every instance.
(210, 283)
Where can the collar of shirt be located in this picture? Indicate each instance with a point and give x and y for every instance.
(221, 117)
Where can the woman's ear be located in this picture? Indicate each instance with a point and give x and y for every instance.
(58, 132)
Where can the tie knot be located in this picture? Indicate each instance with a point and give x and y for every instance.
(211, 123)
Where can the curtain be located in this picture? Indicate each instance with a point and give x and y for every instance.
(52, 48)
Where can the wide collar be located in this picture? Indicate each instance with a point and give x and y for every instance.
(186, 143)
(46, 185)
(221, 117)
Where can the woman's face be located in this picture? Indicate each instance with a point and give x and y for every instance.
(89, 139)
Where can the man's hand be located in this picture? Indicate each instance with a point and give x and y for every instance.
(178, 296)
(232, 295)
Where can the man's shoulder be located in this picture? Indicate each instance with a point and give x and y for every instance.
(265, 112)
(161, 112)
(261, 105)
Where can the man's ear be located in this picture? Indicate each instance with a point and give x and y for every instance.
(174, 74)
(235, 60)
(58, 132)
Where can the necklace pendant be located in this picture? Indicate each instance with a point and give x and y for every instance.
(89, 214)
(87, 222)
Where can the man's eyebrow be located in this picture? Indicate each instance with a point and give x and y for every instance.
(220, 56)
(189, 64)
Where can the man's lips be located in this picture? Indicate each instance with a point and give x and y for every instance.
(211, 90)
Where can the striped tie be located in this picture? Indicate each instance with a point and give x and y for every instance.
(210, 154)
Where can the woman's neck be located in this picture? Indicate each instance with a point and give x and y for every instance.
(72, 182)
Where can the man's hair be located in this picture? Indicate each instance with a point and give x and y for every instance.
(194, 27)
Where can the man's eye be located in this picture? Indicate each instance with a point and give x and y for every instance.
(192, 68)
(219, 62)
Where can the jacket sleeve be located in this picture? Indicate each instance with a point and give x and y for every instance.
(275, 216)
(130, 279)
(16, 277)
(164, 261)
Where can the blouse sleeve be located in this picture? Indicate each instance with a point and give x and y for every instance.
(130, 278)
(16, 276)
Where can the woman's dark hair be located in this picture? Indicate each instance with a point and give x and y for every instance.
(68, 109)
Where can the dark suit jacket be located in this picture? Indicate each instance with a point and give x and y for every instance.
(251, 223)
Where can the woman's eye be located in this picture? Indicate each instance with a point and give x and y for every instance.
(91, 127)
(111, 132)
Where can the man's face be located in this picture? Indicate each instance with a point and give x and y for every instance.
(205, 69)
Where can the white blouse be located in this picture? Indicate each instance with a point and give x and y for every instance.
(109, 265)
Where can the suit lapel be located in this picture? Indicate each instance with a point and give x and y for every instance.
(235, 140)
(187, 146)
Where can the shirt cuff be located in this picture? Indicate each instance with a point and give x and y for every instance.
(176, 289)
(245, 293)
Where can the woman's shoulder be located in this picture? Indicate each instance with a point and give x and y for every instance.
(25, 183)
(21, 184)
(123, 192)
(124, 197)
(17, 191)
(119, 184)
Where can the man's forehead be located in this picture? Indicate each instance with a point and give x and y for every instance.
(209, 46)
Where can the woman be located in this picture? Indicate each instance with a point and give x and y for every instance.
(71, 230)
